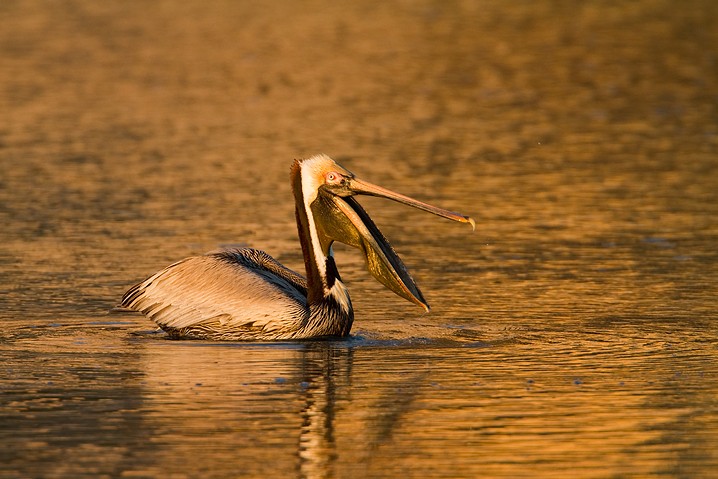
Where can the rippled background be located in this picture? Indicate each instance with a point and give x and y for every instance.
(572, 335)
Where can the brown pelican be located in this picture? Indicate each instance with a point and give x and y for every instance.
(245, 294)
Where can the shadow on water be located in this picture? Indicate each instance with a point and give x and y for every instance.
(355, 407)
(242, 388)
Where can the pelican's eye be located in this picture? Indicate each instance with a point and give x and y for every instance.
(333, 178)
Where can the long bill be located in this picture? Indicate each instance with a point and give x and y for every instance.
(362, 187)
(341, 218)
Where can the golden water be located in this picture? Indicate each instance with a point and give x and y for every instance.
(572, 335)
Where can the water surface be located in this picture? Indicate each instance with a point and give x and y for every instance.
(572, 335)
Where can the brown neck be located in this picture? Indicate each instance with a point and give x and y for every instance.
(317, 280)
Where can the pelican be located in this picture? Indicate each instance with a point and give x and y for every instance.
(243, 294)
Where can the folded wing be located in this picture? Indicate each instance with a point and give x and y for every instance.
(224, 294)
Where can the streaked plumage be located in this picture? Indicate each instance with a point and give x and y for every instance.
(245, 294)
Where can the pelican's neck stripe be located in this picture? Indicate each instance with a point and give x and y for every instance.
(310, 189)
(321, 269)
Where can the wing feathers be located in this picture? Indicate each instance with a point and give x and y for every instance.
(230, 290)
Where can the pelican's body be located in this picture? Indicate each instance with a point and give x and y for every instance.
(244, 294)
